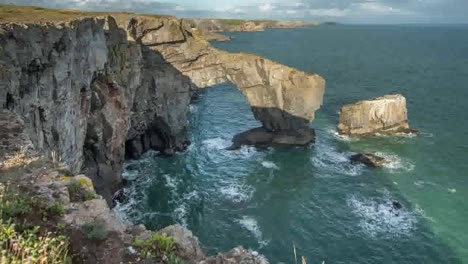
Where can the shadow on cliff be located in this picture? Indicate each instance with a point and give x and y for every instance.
(129, 116)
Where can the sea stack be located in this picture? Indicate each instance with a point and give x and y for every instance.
(382, 115)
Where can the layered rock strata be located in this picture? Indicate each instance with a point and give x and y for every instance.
(94, 91)
(382, 115)
(237, 25)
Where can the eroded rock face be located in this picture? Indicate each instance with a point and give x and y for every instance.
(384, 115)
(233, 25)
(237, 255)
(95, 91)
(188, 246)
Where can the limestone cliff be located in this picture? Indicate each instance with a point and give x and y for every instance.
(238, 25)
(95, 90)
(387, 114)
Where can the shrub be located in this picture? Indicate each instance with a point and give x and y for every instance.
(14, 204)
(74, 188)
(87, 196)
(56, 209)
(174, 259)
(96, 231)
(78, 192)
(158, 244)
(30, 247)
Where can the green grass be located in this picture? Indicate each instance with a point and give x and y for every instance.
(13, 204)
(34, 14)
(234, 22)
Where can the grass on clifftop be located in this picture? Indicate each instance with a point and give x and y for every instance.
(34, 14)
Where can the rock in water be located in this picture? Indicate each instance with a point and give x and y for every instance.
(368, 159)
(262, 137)
(385, 115)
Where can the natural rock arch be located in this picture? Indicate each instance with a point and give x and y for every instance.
(282, 98)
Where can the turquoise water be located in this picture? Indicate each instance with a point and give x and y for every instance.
(332, 211)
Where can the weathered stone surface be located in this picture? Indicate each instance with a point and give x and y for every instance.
(368, 159)
(238, 255)
(385, 115)
(232, 25)
(188, 246)
(94, 91)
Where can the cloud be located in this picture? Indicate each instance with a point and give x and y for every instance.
(376, 7)
(354, 11)
(331, 12)
(266, 7)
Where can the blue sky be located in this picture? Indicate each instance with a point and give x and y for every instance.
(346, 11)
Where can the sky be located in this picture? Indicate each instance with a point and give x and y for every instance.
(344, 11)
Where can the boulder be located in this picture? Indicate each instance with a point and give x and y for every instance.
(188, 246)
(383, 115)
(368, 159)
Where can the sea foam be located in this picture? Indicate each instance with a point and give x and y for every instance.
(379, 218)
(251, 224)
(269, 165)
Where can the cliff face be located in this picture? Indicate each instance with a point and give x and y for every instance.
(84, 89)
(387, 114)
(237, 25)
(93, 91)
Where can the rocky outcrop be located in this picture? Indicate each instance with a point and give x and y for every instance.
(383, 115)
(84, 89)
(237, 25)
(237, 255)
(96, 234)
(368, 159)
(94, 91)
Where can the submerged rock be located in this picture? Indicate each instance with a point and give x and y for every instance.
(385, 115)
(368, 159)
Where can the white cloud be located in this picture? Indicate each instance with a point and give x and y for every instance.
(179, 8)
(230, 10)
(330, 12)
(267, 7)
(376, 7)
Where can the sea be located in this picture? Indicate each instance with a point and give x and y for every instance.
(311, 202)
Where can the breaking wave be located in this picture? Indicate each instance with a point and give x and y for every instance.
(380, 218)
(251, 224)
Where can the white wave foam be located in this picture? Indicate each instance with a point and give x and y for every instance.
(237, 193)
(422, 183)
(246, 151)
(217, 143)
(379, 218)
(333, 161)
(422, 213)
(180, 213)
(250, 224)
(193, 108)
(345, 138)
(452, 190)
(270, 165)
(395, 163)
(170, 182)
